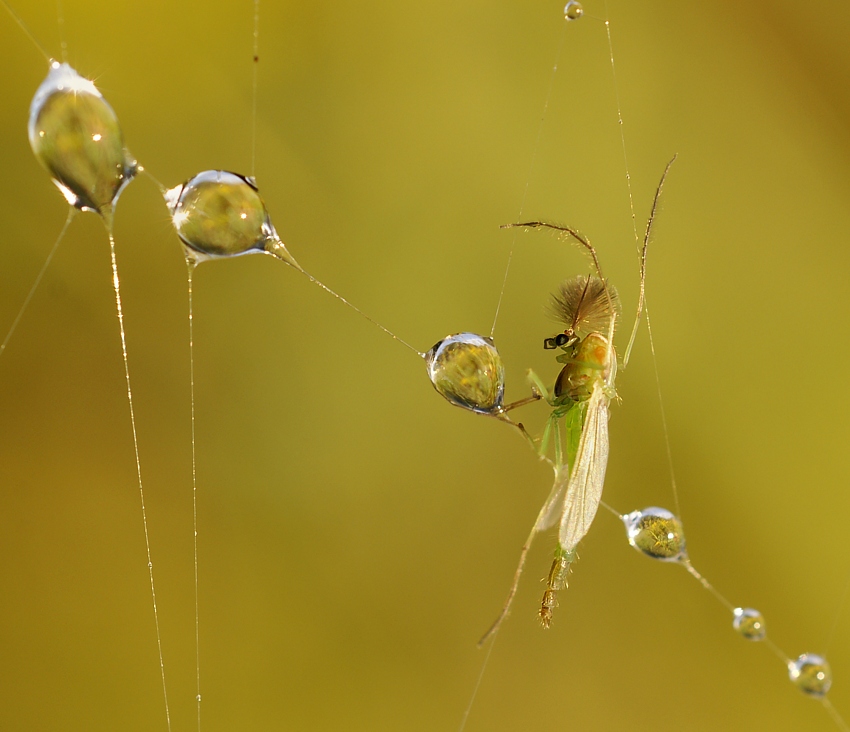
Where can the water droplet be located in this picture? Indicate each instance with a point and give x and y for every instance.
(75, 135)
(573, 10)
(221, 214)
(467, 370)
(657, 533)
(749, 623)
(811, 674)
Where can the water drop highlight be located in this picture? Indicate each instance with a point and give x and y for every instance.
(467, 370)
(811, 674)
(657, 533)
(221, 214)
(573, 10)
(749, 623)
(75, 135)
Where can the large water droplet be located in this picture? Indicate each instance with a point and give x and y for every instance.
(573, 10)
(467, 370)
(749, 623)
(657, 533)
(221, 214)
(811, 674)
(75, 134)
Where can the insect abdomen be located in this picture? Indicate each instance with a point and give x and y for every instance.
(556, 581)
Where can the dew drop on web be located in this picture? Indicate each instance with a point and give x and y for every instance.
(657, 533)
(220, 214)
(749, 623)
(75, 135)
(811, 674)
(467, 370)
(573, 10)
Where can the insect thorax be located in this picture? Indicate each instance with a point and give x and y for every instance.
(589, 366)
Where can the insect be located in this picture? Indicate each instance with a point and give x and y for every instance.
(578, 423)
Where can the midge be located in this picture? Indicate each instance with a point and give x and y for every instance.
(578, 423)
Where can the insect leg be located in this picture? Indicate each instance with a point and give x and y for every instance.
(493, 629)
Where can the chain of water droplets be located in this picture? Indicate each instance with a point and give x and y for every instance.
(75, 134)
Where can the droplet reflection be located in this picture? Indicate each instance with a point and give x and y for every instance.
(221, 214)
(749, 623)
(467, 370)
(573, 10)
(75, 135)
(811, 674)
(657, 533)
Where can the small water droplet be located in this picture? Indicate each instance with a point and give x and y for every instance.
(811, 674)
(467, 370)
(749, 623)
(75, 135)
(657, 533)
(573, 10)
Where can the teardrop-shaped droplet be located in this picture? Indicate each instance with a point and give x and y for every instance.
(749, 623)
(657, 533)
(467, 370)
(811, 674)
(221, 214)
(573, 10)
(75, 134)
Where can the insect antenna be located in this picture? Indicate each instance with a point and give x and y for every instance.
(592, 251)
(643, 250)
(581, 304)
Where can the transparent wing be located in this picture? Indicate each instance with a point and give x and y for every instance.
(572, 428)
(551, 511)
(584, 490)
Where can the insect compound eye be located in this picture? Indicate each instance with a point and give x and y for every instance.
(549, 344)
(75, 135)
(657, 533)
(561, 339)
(220, 214)
(467, 370)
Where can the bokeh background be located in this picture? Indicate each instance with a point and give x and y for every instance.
(358, 534)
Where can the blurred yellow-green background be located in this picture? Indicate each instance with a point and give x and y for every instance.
(357, 534)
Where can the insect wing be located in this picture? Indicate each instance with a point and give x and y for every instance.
(551, 511)
(587, 477)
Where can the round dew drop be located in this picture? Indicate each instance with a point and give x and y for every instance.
(75, 135)
(220, 214)
(811, 674)
(573, 10)
(657, 533)
(749, 623)
(467, 370)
